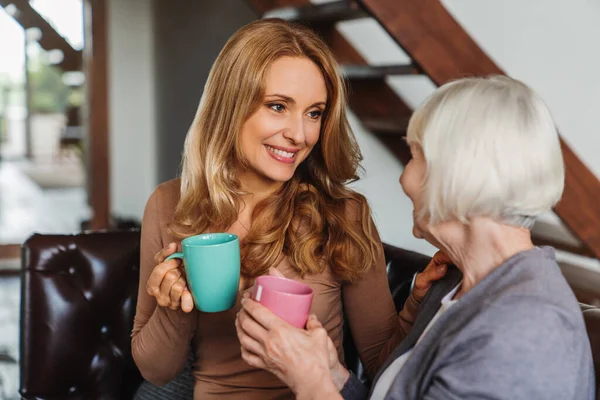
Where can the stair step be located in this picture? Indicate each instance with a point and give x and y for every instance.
(386, 126)
(341, 10)
(378, 71)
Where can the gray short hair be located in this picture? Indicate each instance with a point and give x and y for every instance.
(492, 149)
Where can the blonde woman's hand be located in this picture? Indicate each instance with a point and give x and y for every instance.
(435, 270)
(167, 282)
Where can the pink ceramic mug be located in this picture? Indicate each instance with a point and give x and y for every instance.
(288, 299)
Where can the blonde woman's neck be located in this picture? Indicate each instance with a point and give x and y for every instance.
(256, 187)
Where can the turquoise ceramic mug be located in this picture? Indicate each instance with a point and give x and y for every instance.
(212, 268)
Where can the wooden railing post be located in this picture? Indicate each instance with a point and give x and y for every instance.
(96, 64)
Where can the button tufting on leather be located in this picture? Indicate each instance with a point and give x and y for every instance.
(104, 331)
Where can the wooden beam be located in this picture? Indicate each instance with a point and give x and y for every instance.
(28, 17)
(96, 62)
(395, 127)
(378, 71)
(10, 251)
(10, 256)
(335, 11)
(429, 34)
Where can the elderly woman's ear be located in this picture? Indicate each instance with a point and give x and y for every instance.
(435, 270)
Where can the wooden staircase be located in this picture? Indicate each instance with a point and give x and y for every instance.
(442, 50)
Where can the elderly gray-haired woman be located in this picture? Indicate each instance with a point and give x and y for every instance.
(504, 324)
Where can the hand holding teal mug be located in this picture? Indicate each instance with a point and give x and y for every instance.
(212, 268)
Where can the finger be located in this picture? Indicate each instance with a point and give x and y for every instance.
(252, 359)
(275, 272)
(320, 335)
(441, 257)
(157, 275)
(164, 253)
(333, 353)
(170, 278)
(439, 272)
(313, 322)
(247, 293)
(431, 274)
(187, 301)
(435, 270)
(261, 314)
(177, 290)
(251, 327)
(247, 341)
(164, 295)
(424, 281)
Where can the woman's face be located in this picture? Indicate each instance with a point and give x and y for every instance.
(283, 130)
(412, 180)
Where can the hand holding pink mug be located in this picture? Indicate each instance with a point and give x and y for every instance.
(288, 299)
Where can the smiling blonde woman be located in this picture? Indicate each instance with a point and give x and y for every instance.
(268, 157)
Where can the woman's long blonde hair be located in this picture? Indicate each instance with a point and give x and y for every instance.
(314, 218)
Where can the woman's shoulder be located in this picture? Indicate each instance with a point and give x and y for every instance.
(167, 193)
(356, 205)
(534, 294)
(535, 276)
(163, 201)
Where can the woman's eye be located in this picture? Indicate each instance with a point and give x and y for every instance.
(277, 107)
(316, 114)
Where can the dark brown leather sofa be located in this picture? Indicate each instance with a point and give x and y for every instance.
(77, 306)
(78, 302)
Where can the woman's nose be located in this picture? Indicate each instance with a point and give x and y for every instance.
(295, 130)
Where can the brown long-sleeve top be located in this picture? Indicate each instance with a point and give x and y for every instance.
(161, 337)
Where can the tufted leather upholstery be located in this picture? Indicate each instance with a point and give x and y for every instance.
(78, 302)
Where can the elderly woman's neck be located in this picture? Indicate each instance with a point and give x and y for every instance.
(480, 247)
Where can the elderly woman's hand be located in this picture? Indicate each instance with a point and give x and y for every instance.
(305, 360)
(435, 270)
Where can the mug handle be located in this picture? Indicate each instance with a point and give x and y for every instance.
(175, 255)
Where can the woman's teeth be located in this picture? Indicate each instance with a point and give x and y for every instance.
(281, 152)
